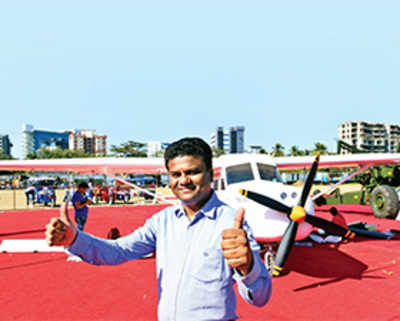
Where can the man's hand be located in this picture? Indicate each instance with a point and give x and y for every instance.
(60, 230)
(235, 245)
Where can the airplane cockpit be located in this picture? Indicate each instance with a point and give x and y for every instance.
(245, 171)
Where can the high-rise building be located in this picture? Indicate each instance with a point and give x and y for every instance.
(370, 137)
(88, 141)
(5, 145)
(33, 139)
(230, 140)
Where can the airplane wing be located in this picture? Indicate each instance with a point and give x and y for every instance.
(106, 165)
(338, 161)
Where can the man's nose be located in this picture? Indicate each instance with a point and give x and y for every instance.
(184, 179)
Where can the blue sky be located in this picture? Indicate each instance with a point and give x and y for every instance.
(289, 71)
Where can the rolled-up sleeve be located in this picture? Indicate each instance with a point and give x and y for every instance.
(255, 287)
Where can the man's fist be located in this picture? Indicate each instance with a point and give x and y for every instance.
(60, 230)
(235, 245)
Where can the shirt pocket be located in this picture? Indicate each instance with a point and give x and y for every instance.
(209, 268)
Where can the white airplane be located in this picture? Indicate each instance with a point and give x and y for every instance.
(278, 214)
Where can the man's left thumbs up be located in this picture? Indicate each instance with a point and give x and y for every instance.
(235, 245)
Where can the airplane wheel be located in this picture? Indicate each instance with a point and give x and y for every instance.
(269, 261)
(384, 202)
(320, 200)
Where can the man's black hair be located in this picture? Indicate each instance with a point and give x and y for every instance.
(83, 185)
(189, 146)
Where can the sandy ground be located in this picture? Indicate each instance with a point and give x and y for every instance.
(16, 200)
(352, 187)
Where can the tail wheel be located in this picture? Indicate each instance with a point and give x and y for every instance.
(384, 202)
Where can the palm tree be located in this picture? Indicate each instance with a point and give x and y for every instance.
(320, 149)
(295, 151)
(277, 150)
(217, 152)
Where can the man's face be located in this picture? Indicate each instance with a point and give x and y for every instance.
(189, 179)
(82, 190)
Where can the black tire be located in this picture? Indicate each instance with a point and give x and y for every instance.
(384, 201)
(320, 200)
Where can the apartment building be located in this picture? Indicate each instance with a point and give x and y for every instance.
(88, 141)
(370, 137)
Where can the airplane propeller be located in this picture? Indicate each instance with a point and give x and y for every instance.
(296, 215)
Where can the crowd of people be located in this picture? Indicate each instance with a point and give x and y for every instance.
(98, 193)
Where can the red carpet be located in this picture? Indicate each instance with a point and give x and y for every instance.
(358, 280)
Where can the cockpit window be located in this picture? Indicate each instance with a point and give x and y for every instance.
(239, 173)
(269, 173)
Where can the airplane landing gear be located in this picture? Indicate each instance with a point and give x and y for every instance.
(269, 253)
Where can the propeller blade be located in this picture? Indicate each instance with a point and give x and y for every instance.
(309, 182)
(266, 201)
(329, 227)
(285, 247)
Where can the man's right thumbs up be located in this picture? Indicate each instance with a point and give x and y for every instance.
(61, 231)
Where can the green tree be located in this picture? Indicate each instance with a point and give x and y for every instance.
(217, 152)
(263, 151)
(320, 149)
(295, 151)
(307, 152)
(398, 148)
(31, 156)
(5, 156)
(58, 152)
(277, 150)
(159, 153)
(129, 149)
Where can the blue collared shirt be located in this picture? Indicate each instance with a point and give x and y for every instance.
(194, 280)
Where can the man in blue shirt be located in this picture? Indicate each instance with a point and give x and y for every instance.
(203, 246)
(80, 202)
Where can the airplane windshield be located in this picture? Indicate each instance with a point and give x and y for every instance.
(239, 173)
(269, 173)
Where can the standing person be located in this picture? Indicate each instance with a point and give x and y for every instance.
(80, 202)
(30, 193)
(203, 246)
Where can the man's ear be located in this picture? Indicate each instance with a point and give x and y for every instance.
(211, 173)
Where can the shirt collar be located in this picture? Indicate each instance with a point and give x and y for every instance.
(208, 210)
